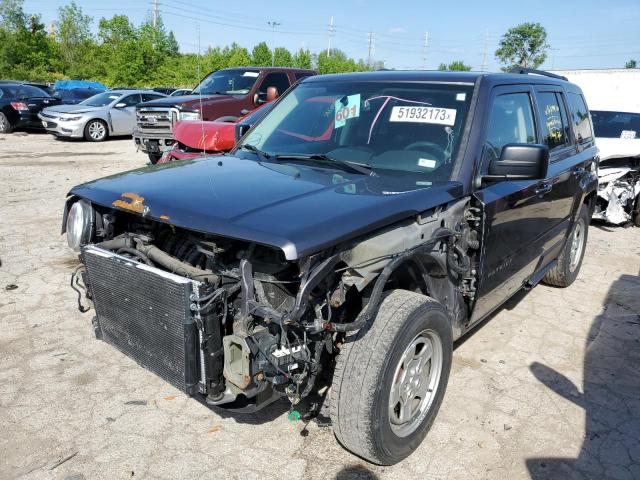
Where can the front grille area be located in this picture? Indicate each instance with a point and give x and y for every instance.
(155, 119)
(144, 312)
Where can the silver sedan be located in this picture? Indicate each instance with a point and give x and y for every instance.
(108, 114)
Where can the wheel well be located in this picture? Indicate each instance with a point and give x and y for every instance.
(420, 274)
(590, 201)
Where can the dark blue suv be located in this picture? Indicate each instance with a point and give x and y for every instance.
(362, 225)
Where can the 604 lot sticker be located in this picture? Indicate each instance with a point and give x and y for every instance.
(440, 116)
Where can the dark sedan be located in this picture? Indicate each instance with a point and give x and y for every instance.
(20, 105)
(74, 96)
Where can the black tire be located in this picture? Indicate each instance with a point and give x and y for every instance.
(566, 271)
(154, 157)
(96, 131)
(5, 125)
(636, 214)
(368, 366)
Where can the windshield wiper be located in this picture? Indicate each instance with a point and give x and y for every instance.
(355, 167)
(252, 148)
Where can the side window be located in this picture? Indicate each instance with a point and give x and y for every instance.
(510, 121)
(580, 116)
(278, 80)
(149, 96)
(554, 122)
(131, 100)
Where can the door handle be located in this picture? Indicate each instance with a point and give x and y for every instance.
(543, 189)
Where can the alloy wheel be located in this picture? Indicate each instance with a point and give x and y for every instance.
(415, 382)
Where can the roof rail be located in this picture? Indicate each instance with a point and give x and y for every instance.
(523, 70)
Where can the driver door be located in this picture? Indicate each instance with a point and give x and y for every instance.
(123, 119)
(515, 222)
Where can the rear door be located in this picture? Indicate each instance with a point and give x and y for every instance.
(124, 119)
(556, 133)
(515, 217)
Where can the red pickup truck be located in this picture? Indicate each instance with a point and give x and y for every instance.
(224, 95)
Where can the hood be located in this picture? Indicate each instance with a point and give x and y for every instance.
(297, 208)
(611, 148)
(186, 101)
(71, 109)
(209, 136)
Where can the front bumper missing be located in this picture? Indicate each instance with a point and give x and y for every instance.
(145, 313)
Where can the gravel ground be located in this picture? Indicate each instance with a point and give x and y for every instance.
(547, 388)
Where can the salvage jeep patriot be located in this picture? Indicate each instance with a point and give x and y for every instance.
(357, 230)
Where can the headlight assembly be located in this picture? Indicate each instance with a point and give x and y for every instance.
(189, 116)
(79, 224)
(70, 119)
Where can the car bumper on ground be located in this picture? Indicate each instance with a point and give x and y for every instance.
(153, 142)
(62, 128)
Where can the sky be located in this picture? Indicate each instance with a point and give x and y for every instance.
(581, 34)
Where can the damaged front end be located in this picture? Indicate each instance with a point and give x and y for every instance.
(618, 191)
(237, 323)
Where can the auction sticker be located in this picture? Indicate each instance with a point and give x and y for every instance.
(628, 134)
(346, 108)
(440, 116)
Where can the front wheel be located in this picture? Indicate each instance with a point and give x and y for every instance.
(95, 131)
(390, 378)
(570, 260)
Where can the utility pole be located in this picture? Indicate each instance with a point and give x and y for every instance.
(424, 50)
(155, 14)
(273, 24)
(370, 47)
(330, 36)
(483, 68)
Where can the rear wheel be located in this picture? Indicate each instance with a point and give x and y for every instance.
(390, 378)
(5, 126)
(154, 157)
(570, 260)
(95, 131)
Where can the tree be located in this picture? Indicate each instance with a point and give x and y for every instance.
(261, 55)
(523, 46)
(282, 57)
(631, 64)
(74, 38)
(455, 66)
(302, 58)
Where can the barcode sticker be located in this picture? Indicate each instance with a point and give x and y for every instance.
(440, 116)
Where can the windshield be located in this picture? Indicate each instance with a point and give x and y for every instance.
(616, 124)
(228, 82)
(407, 127)
(101, 100)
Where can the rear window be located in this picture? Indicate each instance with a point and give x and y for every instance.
(553, 118)
(580, 116)
(29, 91)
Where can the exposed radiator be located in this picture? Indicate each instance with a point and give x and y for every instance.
(144, 312)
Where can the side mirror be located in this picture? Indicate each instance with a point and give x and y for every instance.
(272, 94)
(520, 162)
(120, 105)
(240, 130)
(256, 100)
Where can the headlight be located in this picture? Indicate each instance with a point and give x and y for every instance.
(70, 119)
(188, 115)
(79, 224)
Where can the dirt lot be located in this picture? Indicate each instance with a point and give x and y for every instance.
(548, 388)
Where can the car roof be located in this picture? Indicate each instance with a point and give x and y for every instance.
(438, 76)
(271, 69)
(123, 91)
